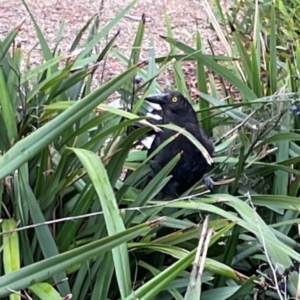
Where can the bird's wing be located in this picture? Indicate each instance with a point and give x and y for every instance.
(165, 154)
(154, 117)
(181, 143)
(152, 111)
(199, 133)
(157, 140)
(202, 136)
(148, 141)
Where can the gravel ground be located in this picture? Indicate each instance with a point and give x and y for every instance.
(186, 17)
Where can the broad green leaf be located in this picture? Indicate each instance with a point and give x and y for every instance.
(46, 268)
(113, 219)
(39, 139)
(45, 291)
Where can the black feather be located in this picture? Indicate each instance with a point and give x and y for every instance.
(192, 165)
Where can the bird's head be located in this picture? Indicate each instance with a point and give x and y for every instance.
(173, 102)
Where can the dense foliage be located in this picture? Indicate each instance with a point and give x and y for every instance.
(72, 225)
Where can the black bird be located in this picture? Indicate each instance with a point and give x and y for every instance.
(191, 167)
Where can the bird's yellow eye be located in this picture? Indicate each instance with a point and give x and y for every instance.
(174, 99)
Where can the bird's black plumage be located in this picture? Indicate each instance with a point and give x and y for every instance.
(192, 165)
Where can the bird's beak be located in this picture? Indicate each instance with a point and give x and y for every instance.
(157, 98)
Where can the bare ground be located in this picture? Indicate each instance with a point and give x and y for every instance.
(186, 17)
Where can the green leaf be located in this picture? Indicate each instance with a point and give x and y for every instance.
(8, 111)
(222, 71)
(46, 268)
(113, 220)
(45, 291)
(39, 139)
